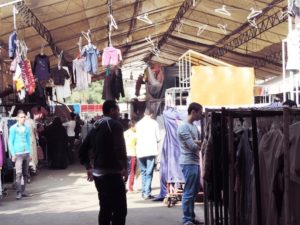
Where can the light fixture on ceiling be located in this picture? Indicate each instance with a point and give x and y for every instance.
(201, 28)
(145, 18)
(223, 11)
(254, 13)
(223, 28)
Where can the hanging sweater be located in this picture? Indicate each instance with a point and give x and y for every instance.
(41, 67)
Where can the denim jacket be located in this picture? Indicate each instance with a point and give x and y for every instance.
(18, 141)
(91, 59)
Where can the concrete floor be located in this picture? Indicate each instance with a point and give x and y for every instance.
(64, 197)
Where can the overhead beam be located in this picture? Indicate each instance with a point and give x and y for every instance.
(262, 26)
(137, 7)
(31, 20)
(244, 26)
(260, 60)
(186, 5)
(274, 57)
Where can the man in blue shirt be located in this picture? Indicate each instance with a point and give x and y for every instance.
(19, 148)
(189, 138)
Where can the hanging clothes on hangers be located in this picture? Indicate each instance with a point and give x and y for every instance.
(41, 67)
(59, 75)
(118, 88)
(12, 45)
(113, 85)
(91, 54)
(111, 56)
(82, 78)
(61, 92)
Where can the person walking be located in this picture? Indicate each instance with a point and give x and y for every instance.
(130, 140)
(57, 141)
(147, 132)
(109, 171)
(20, 150)
(70, 126)
(189, 138)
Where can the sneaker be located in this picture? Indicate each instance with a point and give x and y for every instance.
(197, 222)
(188, 223)
(158, 199)
(148, 197)
(19, 196)
(26, 195)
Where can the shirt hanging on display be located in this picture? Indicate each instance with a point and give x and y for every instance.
(41, 67)
(111, 56)
(12, 45)
(63, 91)
(91, 54)
(59, 75)
(82, 78)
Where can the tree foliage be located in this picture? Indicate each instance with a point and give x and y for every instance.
(93, 95)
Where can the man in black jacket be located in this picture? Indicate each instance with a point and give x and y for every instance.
(109, 172)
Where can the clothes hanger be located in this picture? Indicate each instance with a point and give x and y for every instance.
(223, 11)
(15, 12)
(79, 43)
(223, 28)
(254, 13)
(145, 18)
(149, 40)
(87, 36)
(201, 28)
(59, 59)
(113, 22)
(42, 49)
(252, 22)
(286, 13)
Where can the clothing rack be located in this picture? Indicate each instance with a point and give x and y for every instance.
(223, 211)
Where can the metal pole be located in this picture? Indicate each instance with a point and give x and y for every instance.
(225, 167)
(256, 168)
(286, 144)
(231, 153)
(290, 29)
(180, 78)
(283, 70)
(190, 71)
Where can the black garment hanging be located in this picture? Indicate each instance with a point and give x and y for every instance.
(118, 87)
(41, 67)
(59, 76)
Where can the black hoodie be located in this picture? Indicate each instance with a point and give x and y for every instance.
(107, 143)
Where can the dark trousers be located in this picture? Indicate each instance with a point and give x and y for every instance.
(112, 199)
(71, 141)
